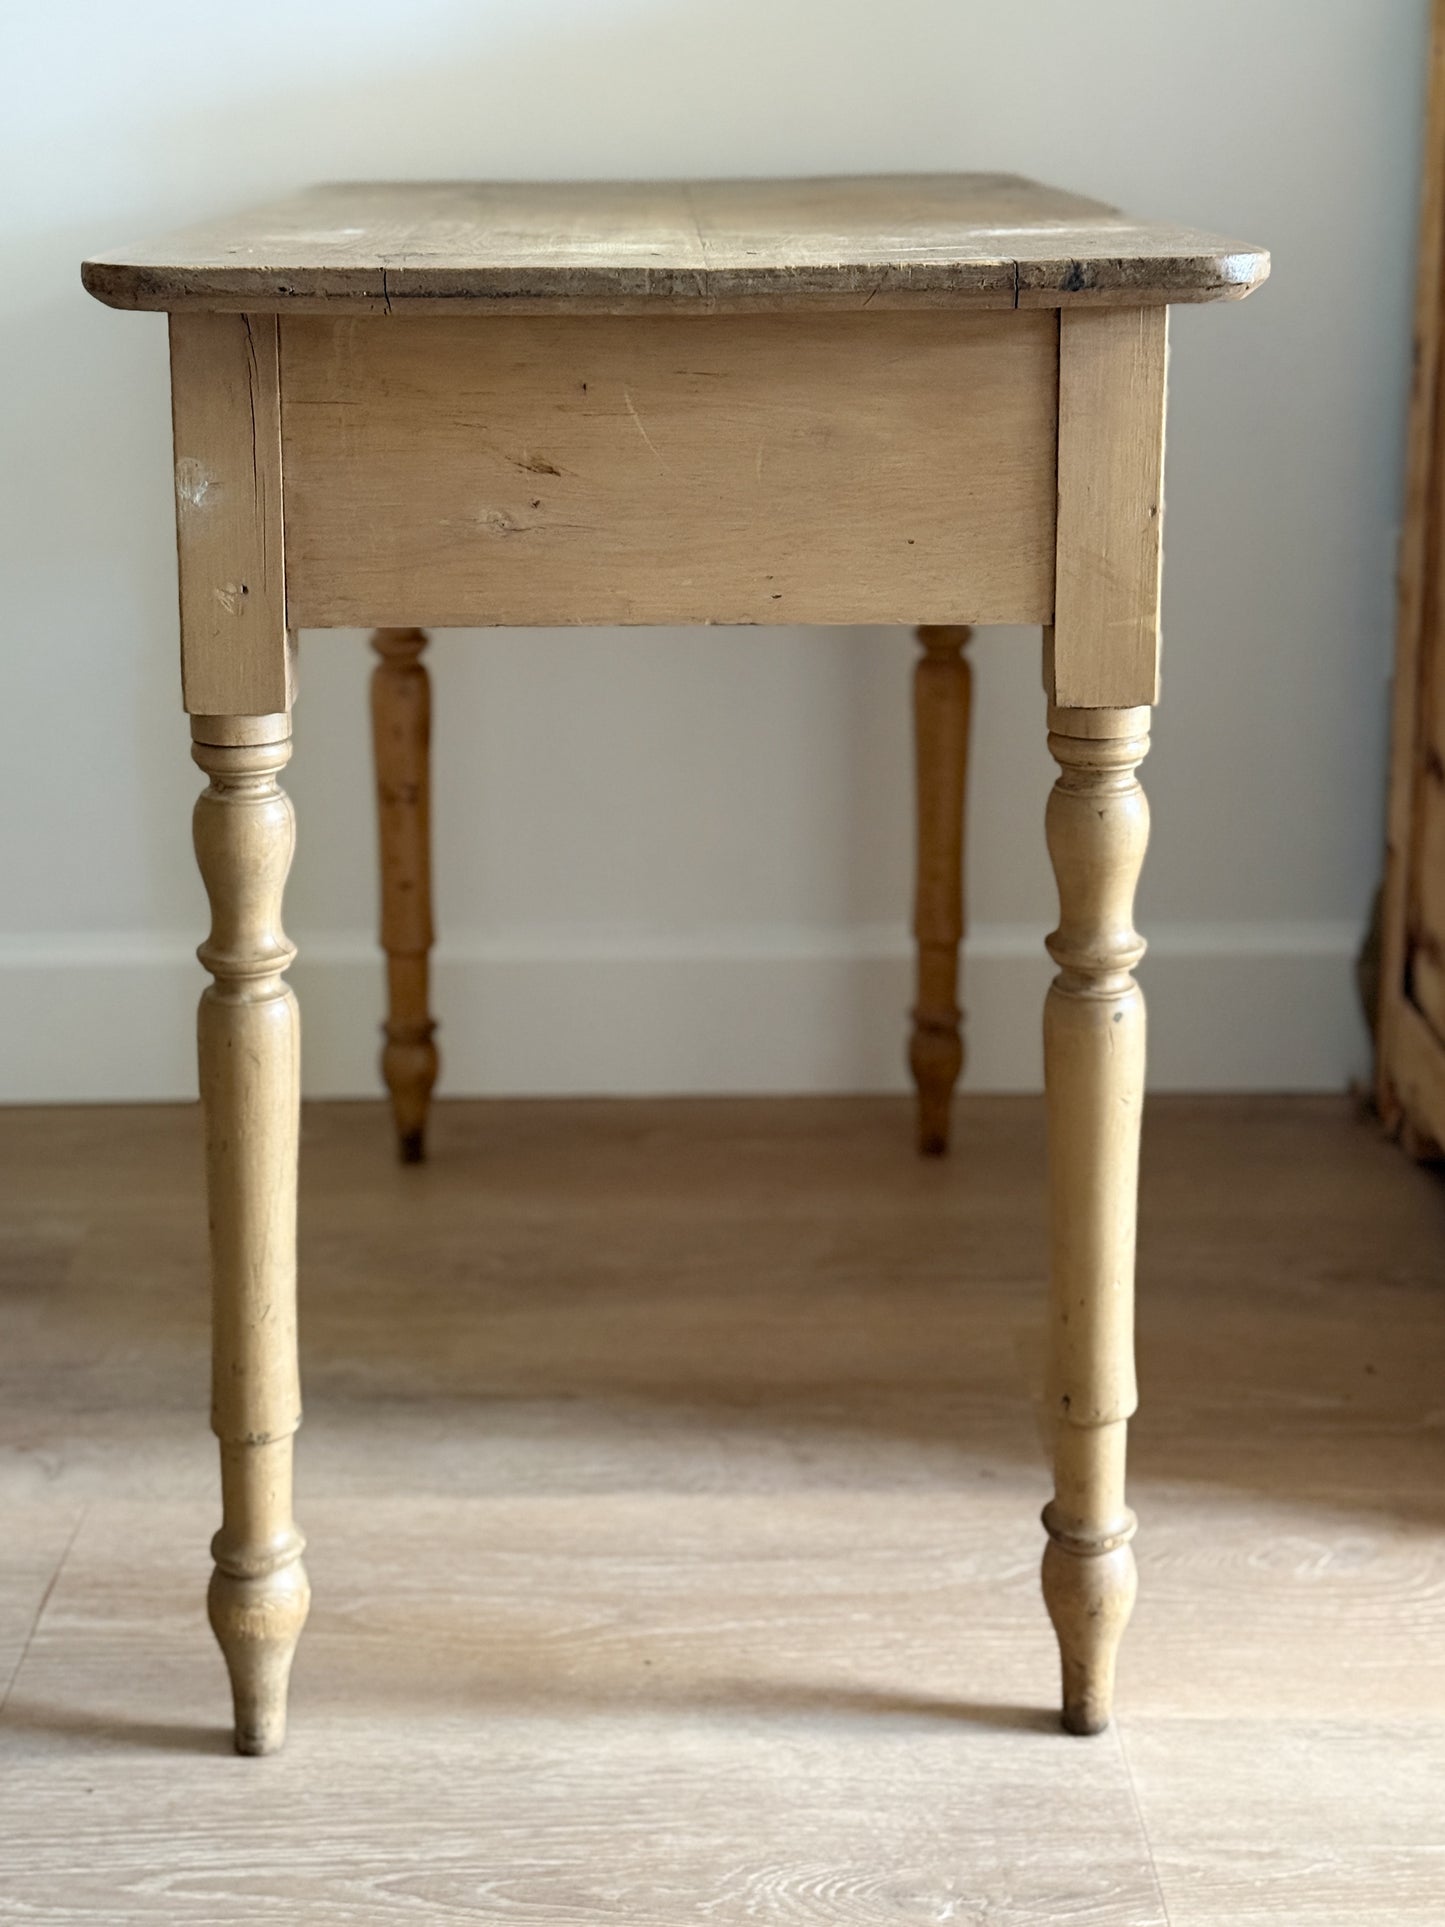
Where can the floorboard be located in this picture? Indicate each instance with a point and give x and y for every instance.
(672, 1473)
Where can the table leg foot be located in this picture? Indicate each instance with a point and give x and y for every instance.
(1089, 1596)
(259, 1595)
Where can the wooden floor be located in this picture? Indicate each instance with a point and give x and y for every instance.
(672, 1483)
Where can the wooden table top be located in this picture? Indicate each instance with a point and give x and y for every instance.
(888, 241)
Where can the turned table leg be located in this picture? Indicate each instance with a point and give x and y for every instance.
(942, 683)
(249, 1047)
(1097, 826)
(401, 735)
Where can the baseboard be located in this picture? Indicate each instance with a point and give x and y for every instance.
(1241, 1007)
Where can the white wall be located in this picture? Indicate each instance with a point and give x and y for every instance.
(680, 860)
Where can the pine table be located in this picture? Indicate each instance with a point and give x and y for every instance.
(934, 400)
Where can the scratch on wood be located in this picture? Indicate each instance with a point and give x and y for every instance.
(193, 483)
(637, 421)
(258, 479)
(252, 378)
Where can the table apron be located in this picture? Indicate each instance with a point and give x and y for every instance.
(515, 470)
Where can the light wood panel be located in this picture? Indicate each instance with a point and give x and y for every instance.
(1425, 908)
(1346, 1820)
(236, 656)
(792, 1662)
(1415, 1095)
(614, 247)
(1103, 649)
(746, 469)
(39, 1537)
(1410, 1019)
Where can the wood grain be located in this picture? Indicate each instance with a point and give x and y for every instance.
(39, 1538)
(669, 1467)
(1103, 649)
(1424, 962)
(1416, 1065)
(617, 247)
(401, 749)
(1410, 1023)
(1330, 1854)
(751, 469)
(249, 1051)
(237, 658)
(942, 700)
(1098, 826)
